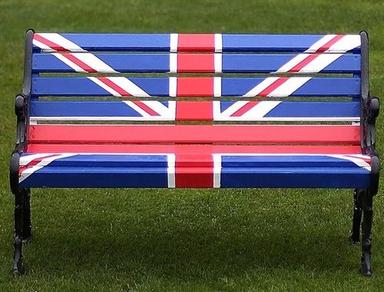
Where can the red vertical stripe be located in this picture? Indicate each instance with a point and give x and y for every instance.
(193, 171)
(196, 43)
(194, 86)
(194, 111)
(195, 63)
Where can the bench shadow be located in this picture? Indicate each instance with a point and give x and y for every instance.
(192, 249)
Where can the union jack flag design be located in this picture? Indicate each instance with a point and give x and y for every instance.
(198, 157)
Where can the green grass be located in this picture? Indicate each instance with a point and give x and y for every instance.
(185, 240)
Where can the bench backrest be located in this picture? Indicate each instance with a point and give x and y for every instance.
(203, 79)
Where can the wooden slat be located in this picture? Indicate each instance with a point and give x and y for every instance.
(195, 134)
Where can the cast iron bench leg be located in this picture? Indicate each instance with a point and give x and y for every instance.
(20, 196)
(357, 212)
(366, 241)
(27, 227)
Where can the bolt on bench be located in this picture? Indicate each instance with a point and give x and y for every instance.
(196, 111)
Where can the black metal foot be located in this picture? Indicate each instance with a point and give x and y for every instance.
(18, 268)
(366, 268)
(366, 240)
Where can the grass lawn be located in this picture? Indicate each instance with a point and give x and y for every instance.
(196, 240)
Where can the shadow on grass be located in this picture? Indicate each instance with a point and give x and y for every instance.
(190, 250)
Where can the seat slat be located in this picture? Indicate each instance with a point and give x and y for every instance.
(195, 86)
(76, 42)
(195, 134)
(163, 170)
(189, 63)
(192, 149)
(192, 111)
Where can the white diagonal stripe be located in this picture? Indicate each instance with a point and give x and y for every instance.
(67, 61)
(260, 87)
(62, 41)
(289, 86)
(128, 86)
(94, 62)
(44, 162)
(105, 86)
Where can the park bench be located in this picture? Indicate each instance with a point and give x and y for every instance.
(196, 111)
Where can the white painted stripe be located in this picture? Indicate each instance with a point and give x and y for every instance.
(260, 87)
(230, 110)
(346, 43)
(42, 46)
(129, 86)
(218, 63)
(260, 110)
(216, 170)
(62, 41)
(319, 63)
(358, 161)
(171, 170)
(25, 159)
(217, 86)
(44, 162)
(321, 42)
(94, 62)
(103, 85)
(173, 63)
(291, 63)
(218, 42)
(172, 86)
(173, 39)
(289, 86)
(67, 61)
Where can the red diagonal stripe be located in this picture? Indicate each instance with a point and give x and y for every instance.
(123, 92)
(328, 44)
(318, 52)
(33, 163)
(47, 42)
(281, 80)
(78, 62)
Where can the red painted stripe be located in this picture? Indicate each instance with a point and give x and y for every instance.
(33, 163)
(47, 42)
(195, 63)
(196, 43)
(303, 63)
(192, 149)
(64, 52)
(281, 80)
(78, 62)
(195, 134)
(123, 92)
(193, 171)
(245, 108)
(194, 86)
(330, 43)
(318, 52)
(194, 111)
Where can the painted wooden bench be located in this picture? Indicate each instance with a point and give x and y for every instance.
(196, 111)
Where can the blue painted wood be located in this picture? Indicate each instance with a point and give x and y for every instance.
(58, 109)
(231, 63)
(161, 42)
(124, 170)
(159, 86)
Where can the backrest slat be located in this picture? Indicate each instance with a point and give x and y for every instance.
(192, 63)
(193, 111)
